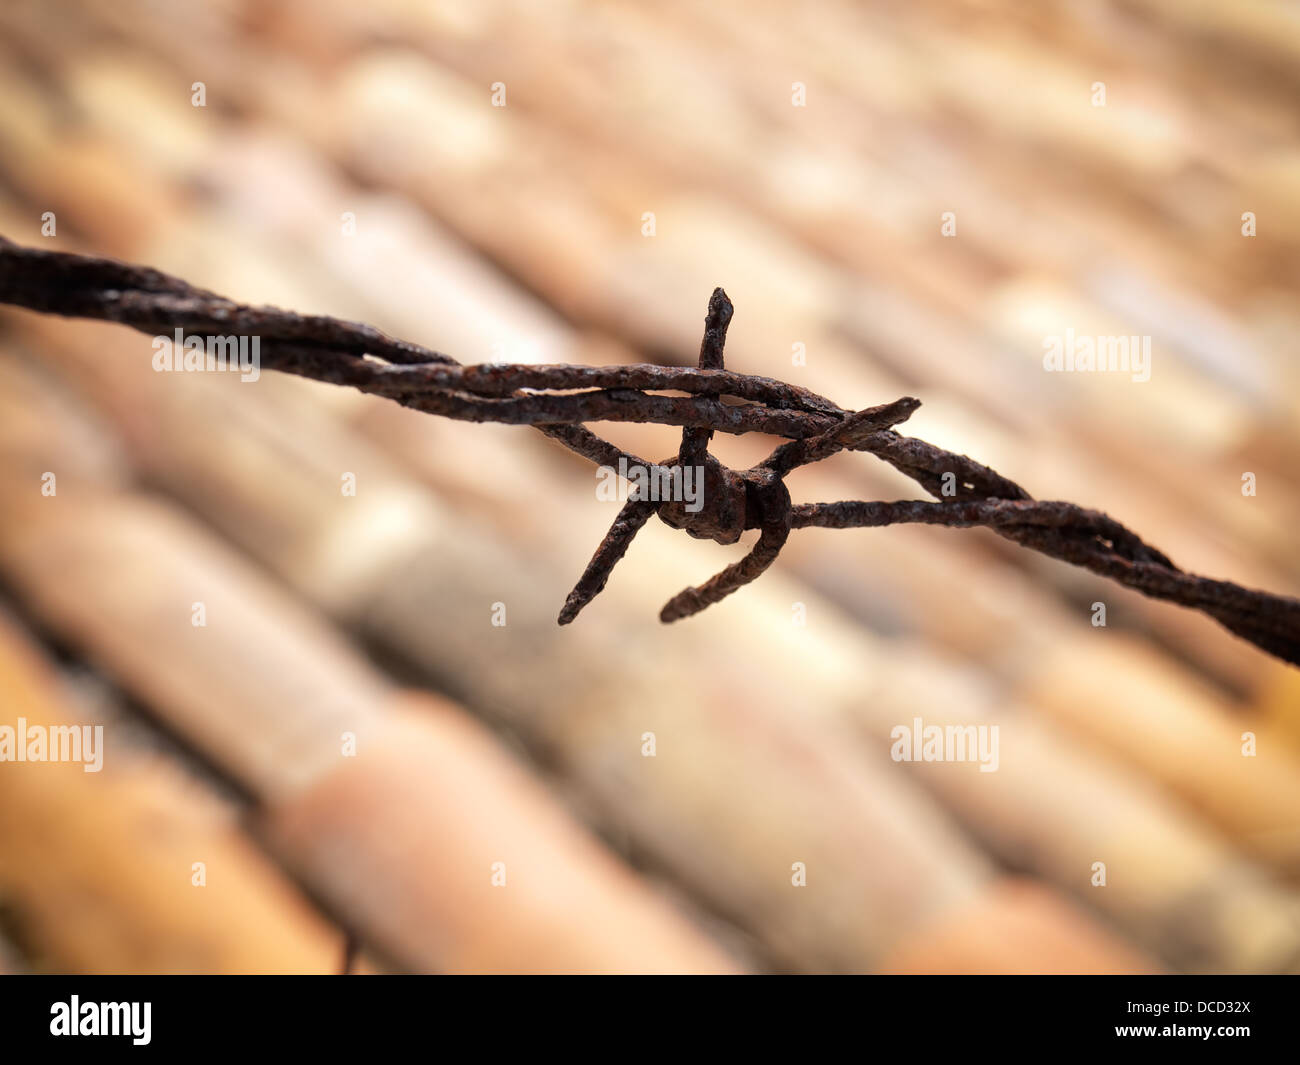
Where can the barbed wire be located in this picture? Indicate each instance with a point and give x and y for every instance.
(558, 399)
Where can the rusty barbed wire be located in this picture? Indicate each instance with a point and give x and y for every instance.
(558, 399)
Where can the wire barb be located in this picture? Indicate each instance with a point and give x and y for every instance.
(558, 399)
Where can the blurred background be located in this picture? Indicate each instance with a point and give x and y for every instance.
(900, 198)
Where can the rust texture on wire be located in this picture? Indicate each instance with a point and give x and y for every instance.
(558, 399)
